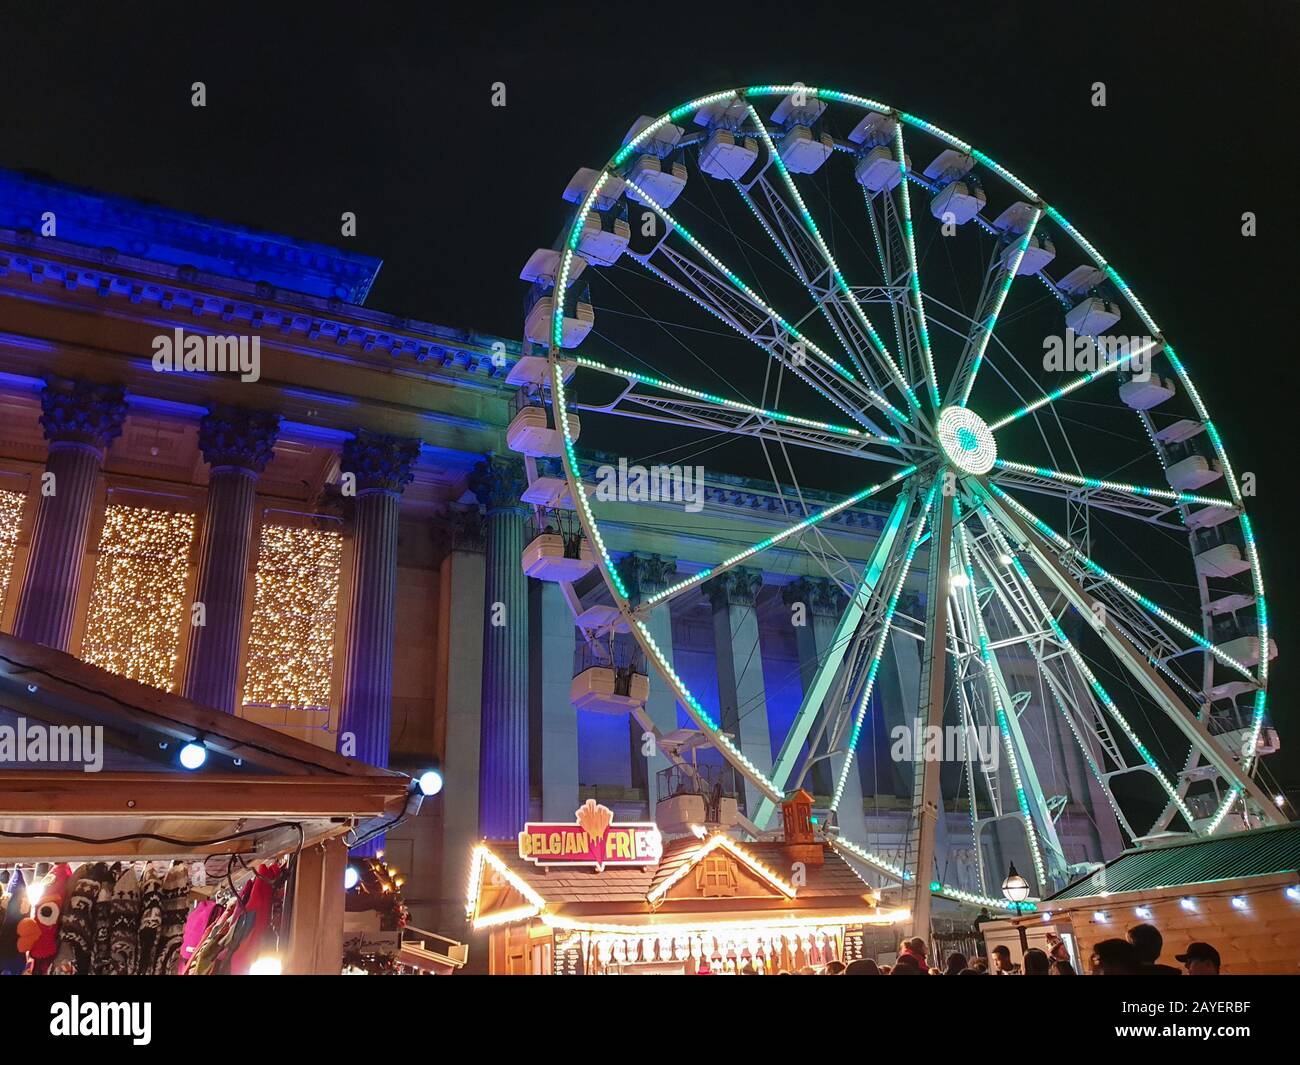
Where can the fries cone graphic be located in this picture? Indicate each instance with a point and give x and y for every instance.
(595, 820)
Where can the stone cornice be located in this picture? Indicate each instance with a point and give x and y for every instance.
(256, 307)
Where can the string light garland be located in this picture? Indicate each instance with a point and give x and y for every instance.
(11, 516)
(295, 609)
(137, 601)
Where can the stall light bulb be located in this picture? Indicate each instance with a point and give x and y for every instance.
(430, 782)
(351, 877)
(1100, 916)
(1144, 912)
(266, 965)
(1293, 893)
(193, 755)
(1238, 902)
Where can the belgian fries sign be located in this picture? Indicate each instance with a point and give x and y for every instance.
(593, 839)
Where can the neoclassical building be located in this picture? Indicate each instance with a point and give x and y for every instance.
(326, 538)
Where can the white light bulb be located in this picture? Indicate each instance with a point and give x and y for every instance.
(193, 755)
(266, 965)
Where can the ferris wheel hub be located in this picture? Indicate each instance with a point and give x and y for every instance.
(966, 440)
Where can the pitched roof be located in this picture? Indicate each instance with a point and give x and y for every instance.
(1258, 852)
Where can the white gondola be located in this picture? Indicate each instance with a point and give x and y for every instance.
(537, 326)
(727, 158)
(1179, 431)
(549, 492)
(544, 559)
(1222, 560)
(1193, 472)
(958, 202)
(949, 165)
(543, 267)
(680, 814)
(603, 239)
(874, 129)
(878, 171)
(1039, 252)
(728, 113)
(1210, 517)
(529, 433)
(1229, 689)
(601, 618)
(579, 187)
(597, 689)
(1230, 604)
(1143, 393)
(661, 142)
(1245, 649)
(662, 183)
(1081, 279)
(1092, 317)
(802, 151)
(535, 370)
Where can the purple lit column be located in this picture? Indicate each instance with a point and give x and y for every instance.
(237, 445)
(80, 421)
(503, 751)
(382, 468)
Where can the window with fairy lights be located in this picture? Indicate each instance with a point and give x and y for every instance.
(295, 609)
(137, 601)
(11, 516)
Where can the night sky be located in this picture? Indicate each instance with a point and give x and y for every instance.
(385, 111)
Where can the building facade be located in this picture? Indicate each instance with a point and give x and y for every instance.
(224, 476)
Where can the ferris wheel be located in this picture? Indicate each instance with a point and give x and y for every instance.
(878, 316)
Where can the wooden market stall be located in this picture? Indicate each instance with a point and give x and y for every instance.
(597, 897)
(104, 783)
(1238, 892)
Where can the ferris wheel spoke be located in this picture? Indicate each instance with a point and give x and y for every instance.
(881, 640)
(1044, 848)
(840, 284)
(703, 410)
(792, 241)
(914, 269)
(1147, 676)
(1090, 719)
(1111, 365)
(854, 627)
(998, 278)
(1084, 565)
(809, 522)
(1133, 500)
(1081, 664)
(718, 290)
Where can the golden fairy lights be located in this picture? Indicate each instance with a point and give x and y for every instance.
(295, 606)
(11, 516)
(137, 601)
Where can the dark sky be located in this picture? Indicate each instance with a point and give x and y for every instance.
(385, 110)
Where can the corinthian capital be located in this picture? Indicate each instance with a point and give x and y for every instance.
(498, 483)
(82, 413)
(232, 437)
(380, 462)
(736, 587)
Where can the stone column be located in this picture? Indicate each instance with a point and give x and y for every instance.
(822, 605)
(645, 575)
(237, 445)
(80, 421)
(503, 751)
(382, 468)
(741, 694)
(559, 737)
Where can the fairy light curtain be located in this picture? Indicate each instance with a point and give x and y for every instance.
(295, 609)
(133, 625)
(11, 516)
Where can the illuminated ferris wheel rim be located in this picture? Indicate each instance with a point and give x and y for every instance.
(969, 446)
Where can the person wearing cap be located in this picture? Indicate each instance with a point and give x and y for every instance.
(1201, 959)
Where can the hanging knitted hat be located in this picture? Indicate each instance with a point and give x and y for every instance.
(103, 926)
(175, 904)
(12, 960)
(77, 925)
(150, 919)
(124, 925)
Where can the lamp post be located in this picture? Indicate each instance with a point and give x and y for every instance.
(1015, 889)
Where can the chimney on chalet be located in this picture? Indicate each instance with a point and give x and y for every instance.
(800, 842)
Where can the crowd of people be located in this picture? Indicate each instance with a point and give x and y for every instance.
(1138, 954)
